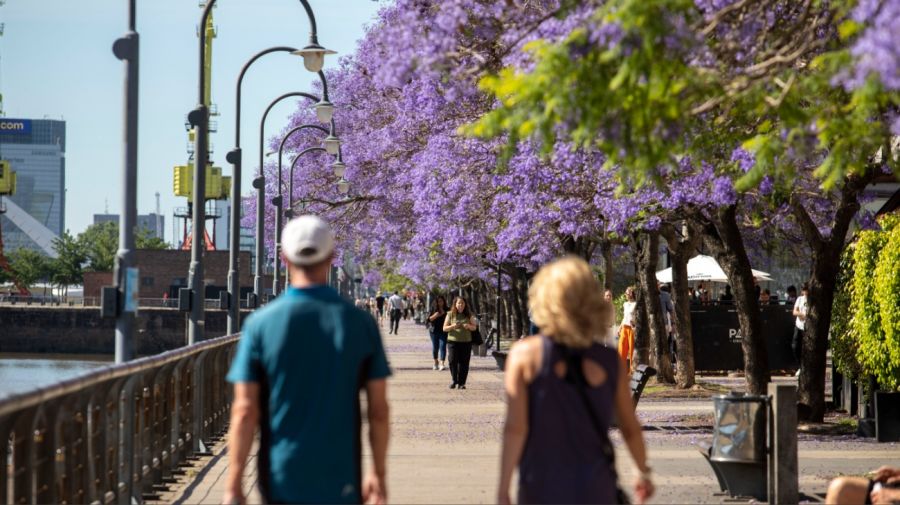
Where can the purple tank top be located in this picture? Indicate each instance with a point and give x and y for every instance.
(562, 461)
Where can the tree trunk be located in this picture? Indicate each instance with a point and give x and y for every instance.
(723, 238)
(606, 251)
(681, 250)
(826, 257)
(641, 326)
(516, 286)
(659, 342)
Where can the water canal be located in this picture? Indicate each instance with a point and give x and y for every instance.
(20, 373)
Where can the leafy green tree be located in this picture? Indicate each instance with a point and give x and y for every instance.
(68, 267)
(144, 239)
(395, 282)
(100, 242)
(29, 266)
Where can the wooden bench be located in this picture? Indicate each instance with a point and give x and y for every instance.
(639, 378)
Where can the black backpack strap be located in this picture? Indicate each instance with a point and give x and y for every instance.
(575, 376)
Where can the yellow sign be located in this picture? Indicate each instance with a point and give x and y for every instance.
(218, 187)
(7, 179)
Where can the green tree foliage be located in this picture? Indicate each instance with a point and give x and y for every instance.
(843, 342)
(144, 239)
(101, 241)
(395, 282)
(29, 266)
(645, 97)
(874, 295)
(68, 267)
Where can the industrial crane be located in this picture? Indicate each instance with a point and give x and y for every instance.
(218, 187)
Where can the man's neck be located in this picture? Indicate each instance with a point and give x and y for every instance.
(302, 280)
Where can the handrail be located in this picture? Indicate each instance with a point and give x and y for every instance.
(115, 434)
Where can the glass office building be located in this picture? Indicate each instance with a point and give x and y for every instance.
(36, 151)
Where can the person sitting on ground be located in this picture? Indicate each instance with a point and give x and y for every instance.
(563, 388)
(883, 487)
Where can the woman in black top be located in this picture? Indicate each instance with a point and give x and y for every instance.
(436, 329)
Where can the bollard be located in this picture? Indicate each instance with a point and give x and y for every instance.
(783, 469)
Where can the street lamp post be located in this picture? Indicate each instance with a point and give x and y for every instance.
(126, 49)
(235, 157)
(278, 201)
(313, 59)
(260, 183)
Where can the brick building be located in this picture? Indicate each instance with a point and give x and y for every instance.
(164, 271)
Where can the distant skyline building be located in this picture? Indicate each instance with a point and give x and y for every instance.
(36, 151)
(153, 223)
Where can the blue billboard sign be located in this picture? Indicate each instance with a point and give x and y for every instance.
(15, 126)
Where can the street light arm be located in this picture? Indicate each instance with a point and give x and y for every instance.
(240, 80)
(324, 82)
(284, 141)
(293, 165)
(262, 122)
(313, 33)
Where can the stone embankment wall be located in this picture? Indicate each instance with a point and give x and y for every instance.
(71, 330)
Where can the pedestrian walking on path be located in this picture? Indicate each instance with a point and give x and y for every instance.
(437, 333)
(297, 373)
(562, 389)
(626, 329)
(459, 325)
(395, 304)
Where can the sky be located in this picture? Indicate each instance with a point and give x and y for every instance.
(56, 62)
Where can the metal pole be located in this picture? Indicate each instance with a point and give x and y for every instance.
(498, 304)
(199, 119)
(260, 184)
(278, 202)
(234, 157)
(278, 212)
(290, 211)
(126, 49)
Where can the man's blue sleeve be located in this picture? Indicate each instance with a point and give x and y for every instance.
(245, 367)
(379, 368)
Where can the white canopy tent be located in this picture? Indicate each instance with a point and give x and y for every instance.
(705, 268)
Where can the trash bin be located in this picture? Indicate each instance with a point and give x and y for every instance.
(740, 428)
(738, 452)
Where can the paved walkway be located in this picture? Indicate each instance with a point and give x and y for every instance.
(445, 444)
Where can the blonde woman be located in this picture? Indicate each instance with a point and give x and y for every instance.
(563, 388)
(626, 329)
(459, 325)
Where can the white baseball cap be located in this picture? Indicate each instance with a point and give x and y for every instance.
(306, 240)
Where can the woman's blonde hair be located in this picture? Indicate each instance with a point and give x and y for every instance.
(566, 303)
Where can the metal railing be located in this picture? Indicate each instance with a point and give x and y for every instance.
(111, 435)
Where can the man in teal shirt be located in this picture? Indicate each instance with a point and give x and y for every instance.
(298, 371)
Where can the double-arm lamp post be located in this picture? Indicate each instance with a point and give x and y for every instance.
(313, 59)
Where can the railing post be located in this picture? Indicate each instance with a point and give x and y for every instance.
(6, 425)
(125, 477)
(23, 446)
(198, 379)
(43, 455)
